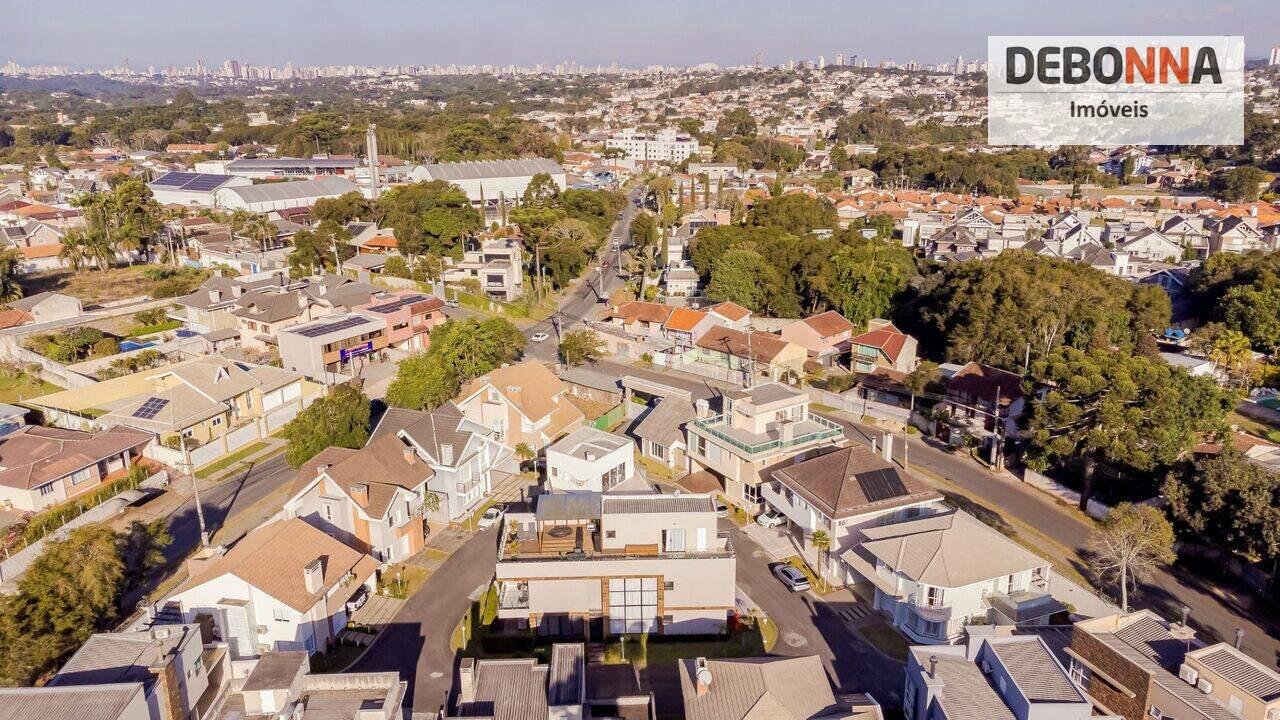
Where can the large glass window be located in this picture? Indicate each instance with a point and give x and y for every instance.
(633, 605)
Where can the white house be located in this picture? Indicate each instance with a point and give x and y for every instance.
(284, 586)
(589, 460)
(936, 574)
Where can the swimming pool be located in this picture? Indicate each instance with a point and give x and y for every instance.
(129, 345)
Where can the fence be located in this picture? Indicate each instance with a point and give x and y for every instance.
(849, 402)
(614, 416)
(17, 563)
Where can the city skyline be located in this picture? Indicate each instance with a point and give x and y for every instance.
(500, 34)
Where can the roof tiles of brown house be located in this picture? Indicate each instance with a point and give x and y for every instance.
(829, 324)
(853, 481)
(763, 346)
(888, 339)
(34, 456)
(984, 381)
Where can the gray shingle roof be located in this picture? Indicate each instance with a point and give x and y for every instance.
(664, 424)
(772, 687)
(1033, 668)
(1242, 671)
(95, 702)
(508, 690)
(640, 504)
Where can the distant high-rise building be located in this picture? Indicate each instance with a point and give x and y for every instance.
(840, 59)
(822, 62)
(959, 64)
(759, 59)
(1275, 56)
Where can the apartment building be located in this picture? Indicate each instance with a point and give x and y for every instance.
(591, 564)
(284, 586)
(335, 344)
(409, 316)
(523, 403)
(936, 574)
(840, 493)
(498, 265)
(589, 460)
(666, 145)
(992, 676)
(1136, 666)
(756, 431)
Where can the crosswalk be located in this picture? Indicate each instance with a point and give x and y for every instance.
(856, 613)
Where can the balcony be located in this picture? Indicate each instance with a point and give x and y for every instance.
(514, 596)
(812, 429)
(930, 610)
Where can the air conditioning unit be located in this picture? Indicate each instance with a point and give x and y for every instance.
(1273, 714)
(1188, 674)
(1155, 713)
(1204, 686)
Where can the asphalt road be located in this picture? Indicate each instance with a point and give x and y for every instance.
(227, 503)
(810, 626)
(416, 643)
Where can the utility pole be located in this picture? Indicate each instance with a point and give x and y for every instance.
(1026, 360)
(195, 487)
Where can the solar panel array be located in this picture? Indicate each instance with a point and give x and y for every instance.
(194, 182)
(318, 330)
(150, 408)
(880, 485)
(394, 305)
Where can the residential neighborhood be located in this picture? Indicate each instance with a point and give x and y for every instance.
(419, 373)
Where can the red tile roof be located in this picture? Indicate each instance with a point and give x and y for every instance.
(888, 339)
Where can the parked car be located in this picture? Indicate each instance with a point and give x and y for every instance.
(770, 518)
(615, 247)
(358, 600)
(452, 302)
(492, 516)
(722, 510)
(539, 337)
(791, 577)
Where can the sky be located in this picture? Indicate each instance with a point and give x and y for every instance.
(102, 33)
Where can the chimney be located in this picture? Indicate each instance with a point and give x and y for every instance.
(702, 408)
(312, 575)
(786, 430)
(446, 453)
(467, 680)
(590, 456)
(702, 675)
(933, 667)
(410, 456)
(168, 687)
(886, 452)
(1239, 638)
(360, 493)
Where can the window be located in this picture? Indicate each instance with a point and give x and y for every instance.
(669, 585)
(751, 493)
(934, 597)
(326, 511)
(675, 540)
(282, 615)
(1080, 674)
(658, 451)
(633, 605)
(46, 489)
(217, 421)
(933, 628)
(699, 446)
(80, 476)
(610, 534)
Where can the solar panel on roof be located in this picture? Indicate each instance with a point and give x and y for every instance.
(318, 330)
(394, 305)
(203, 183)
(880, 485)
(174, 179)
(150, 408)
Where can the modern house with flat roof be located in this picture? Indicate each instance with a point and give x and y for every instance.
(757, 430)
(282, 685)
(409, 316)
(332, 345)
(589, 460)
(497, 264)
(1246, 686)
(593, 565)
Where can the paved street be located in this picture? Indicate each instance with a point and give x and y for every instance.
(416, 643)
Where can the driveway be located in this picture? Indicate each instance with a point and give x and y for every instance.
(415, 643)
(808, 625)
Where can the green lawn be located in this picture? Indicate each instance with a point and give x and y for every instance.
(643, 651)
(15, 388)
(886, 640)
(141, 330)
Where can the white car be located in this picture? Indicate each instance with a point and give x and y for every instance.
(770, 518)
(791, 577)
(492, 516)
(539, 337)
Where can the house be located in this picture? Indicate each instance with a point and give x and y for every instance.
(839, 493)
(992, 676)
(826, 336)
(409, 316)
(281, 685)
(284, 586)
(783, 688)
(524, 404)
(883, 346)
(756, 430)
(589, 460)
(333, 344)
(683, 326)
(731, 315)
(1151, 245)
(49, 307)
(44, 466)
(261, 316)
(610, 564)
(750, 354)
(978, 394)
(120, 701)
(936, 574)
(1234, 234)
(1247, 687)
(168, 661)
(498, 265)
(639, 317)
(661, 431)
(1135, 665)
(467, 459)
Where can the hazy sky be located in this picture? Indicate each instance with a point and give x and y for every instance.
(632, 33)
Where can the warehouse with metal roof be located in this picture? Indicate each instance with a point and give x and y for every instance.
(282, 195)
(491, 180)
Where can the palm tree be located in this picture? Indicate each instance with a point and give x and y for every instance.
(10, 266)
(821, 541)
(75, 249)
(1233, 352)
(262, 230)
(525, 453)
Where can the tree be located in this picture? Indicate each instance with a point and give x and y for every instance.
(1102, 406)
(821, 542)
(581, 346)
(1229, 501)
(10, 264)
(142, 548)
(1132, 540)
(1232, 353)
(458, 352)
(866, 277)
(541, 191)
(339, 420)
(738, 277)
(525, 453)
(1241, 184)
(925, 374)
(796, 213)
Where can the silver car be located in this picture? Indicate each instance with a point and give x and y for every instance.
(791, 577)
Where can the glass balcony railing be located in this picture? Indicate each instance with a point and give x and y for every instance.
(714, 426)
